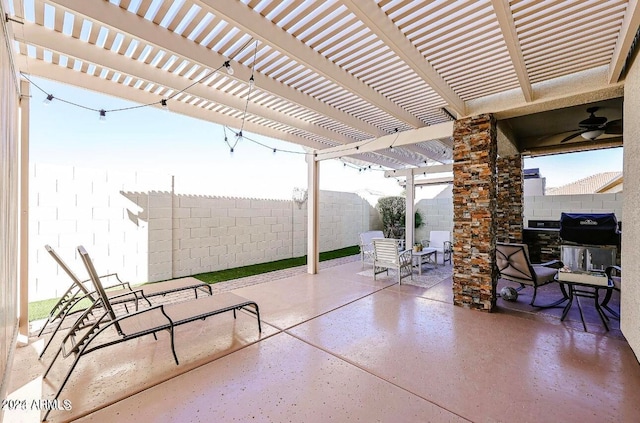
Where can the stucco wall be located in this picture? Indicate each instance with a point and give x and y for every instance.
(630, 312)
(9, 202)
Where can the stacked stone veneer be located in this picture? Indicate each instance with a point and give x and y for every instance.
(474, 203)
(132, 224)
(509, 207)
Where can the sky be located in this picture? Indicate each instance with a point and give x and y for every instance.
(153, 140)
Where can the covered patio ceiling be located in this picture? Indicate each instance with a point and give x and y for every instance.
(339, 74)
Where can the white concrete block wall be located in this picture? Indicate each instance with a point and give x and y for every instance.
(549, 207)
(72, 206)
(216, 233)
(437, 215)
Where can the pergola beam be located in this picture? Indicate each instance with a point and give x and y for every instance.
(116, 18)
(370, 13)
(54, 41)
(630, 25)
(103, 86)
(414, 136)
(510, 35)
(252, 23)
(410, 172)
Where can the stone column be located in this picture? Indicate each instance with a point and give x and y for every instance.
(474, 212)
(509, 199)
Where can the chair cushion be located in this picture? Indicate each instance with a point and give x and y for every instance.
(544, 274)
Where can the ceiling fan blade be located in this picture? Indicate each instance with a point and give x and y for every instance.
(592, 121)
(613, 127)
(572, 136)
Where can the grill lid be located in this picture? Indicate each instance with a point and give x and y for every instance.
(590, 228)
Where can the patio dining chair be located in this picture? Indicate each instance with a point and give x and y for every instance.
(89, 334)
(514, 265)
(81, 292)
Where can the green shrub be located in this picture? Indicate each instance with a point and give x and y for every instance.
(392, 211)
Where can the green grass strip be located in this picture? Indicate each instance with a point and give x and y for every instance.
(257, 269)
(40, 309)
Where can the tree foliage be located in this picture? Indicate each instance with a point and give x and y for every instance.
(392, 211)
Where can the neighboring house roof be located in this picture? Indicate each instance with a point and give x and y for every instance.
(598, 183)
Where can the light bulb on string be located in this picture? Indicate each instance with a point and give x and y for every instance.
(48, 99)
(163, 104)
(227, 66)
(103, 115)
(251, 82)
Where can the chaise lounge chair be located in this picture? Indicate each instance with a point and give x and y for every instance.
(122, 292)
(85, 335)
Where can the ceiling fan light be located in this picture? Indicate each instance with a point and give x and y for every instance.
(592, 135)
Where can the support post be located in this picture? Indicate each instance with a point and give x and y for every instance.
(23, 319)
(409, 219)
(474, 212)
(313, 197)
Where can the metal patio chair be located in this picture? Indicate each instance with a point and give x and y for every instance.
(514, 265)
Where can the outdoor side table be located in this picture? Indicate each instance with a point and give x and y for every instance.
(427, 255)
(584, 284)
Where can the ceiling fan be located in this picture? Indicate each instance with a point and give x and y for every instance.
(594, 126)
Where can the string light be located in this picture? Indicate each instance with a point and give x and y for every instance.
(162, 102)
(394, 140)
(164, 105)
(227, 65)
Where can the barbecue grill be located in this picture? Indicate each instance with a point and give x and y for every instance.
(589, 241)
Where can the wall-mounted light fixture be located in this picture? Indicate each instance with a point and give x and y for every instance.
(299, 196)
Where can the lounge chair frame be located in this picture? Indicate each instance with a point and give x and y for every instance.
(82, 338)
(121, 292)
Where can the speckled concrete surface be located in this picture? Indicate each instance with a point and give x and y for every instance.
(339, 346)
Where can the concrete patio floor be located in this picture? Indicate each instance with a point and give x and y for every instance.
(339, 346)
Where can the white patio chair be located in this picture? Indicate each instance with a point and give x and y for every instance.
(441, 241)
(366, 245)
(386, 256)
